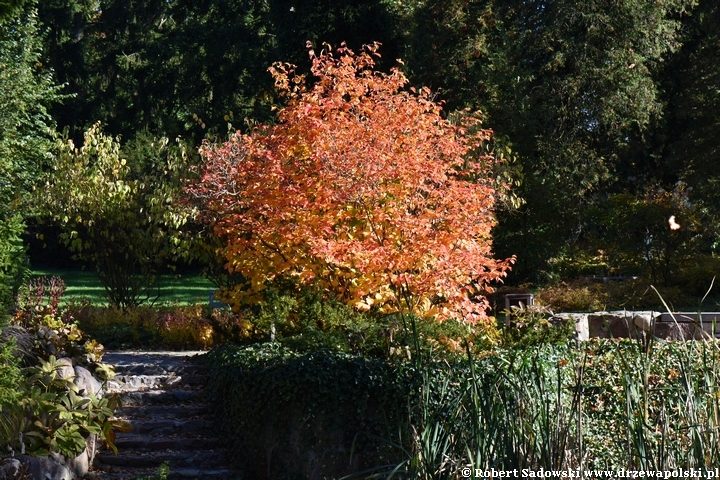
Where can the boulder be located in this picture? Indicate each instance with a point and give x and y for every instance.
(580, 319)
(24, 343)
(79, 465)
(678, 331)
(65, 368)
(610, 325)
(86, 382)
(48, 467)
(644, 321)
(13, 469)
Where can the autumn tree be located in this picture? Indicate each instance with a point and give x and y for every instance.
(362, 188)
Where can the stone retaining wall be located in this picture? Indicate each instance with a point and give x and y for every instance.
(635, 324)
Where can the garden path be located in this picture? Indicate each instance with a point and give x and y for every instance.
(163, 400)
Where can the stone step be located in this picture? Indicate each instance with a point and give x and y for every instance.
(132, 383)
(200, 474)
(146, 369)
(164, 412)
(171, 426)
(174, 474)
(156, 397)
(139, 441)
(159, 362)
(119, 473)
(163, 398)
(182, 459)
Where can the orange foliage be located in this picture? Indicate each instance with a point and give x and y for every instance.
(362, 187)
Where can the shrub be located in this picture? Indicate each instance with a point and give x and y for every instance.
(51, 416)
(576, 296)
(531, 326)
(637, 237)
(302, 415)
(608, 404)
(9, 373)
(13, 260)
(362, 188)
(57, 332)
(304, 319)
(585, 295)
(116, 211)
(639, 295)
(696, 276)
(45, 412)
(176, 327)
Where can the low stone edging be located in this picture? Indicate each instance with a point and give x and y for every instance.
(635, 324)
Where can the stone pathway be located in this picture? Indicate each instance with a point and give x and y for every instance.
(162, 395)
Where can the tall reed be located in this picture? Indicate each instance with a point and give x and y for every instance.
(641, 403)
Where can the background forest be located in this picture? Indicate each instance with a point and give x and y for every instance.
(117, 153)
(604, 111)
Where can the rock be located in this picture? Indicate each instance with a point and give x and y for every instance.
(53, 466)
(644, 322)
(50, 467)
(24, 343)
(79, 465)
(581, 323)
(87, 382)
(13, 469)
(609, 325)
(621, 324)
(65, 368)
(618, 324)
(677, 331)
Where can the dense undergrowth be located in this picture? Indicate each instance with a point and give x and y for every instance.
(596, 405)
(588, 294)
(315, 389)
(47, 405)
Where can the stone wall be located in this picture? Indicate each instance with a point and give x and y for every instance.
(635, 324)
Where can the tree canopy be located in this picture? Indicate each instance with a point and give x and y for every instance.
(588, 101)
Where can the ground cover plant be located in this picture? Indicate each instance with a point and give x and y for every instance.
(42, 408)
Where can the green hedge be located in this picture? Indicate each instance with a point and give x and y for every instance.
(290, 415)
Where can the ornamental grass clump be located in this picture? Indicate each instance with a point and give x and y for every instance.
(643, 404)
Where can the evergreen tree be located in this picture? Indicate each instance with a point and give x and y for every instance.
(26, 136)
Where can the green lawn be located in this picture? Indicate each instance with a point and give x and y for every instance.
(183, 289)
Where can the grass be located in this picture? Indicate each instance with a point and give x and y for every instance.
(186, 289)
